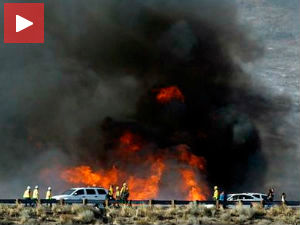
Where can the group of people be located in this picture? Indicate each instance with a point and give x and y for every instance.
(222, 197)
(123, 194)
(35, 194)
(270, 196)
(119, 194)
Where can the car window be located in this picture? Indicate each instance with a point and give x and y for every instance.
(90, 191)
(241, 197)
(68, 192)
(236, 197)
(101, 191)
(248, 197)
(256, 196)
(79, 192)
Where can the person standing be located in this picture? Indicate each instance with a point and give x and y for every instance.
(270, 196)
(216, 196)
(35, 195)
(222, 198)
(118, 195)
(124, 193)
(49, 195)
(111, 192)
(216, 193)
(283, 198)
(27, 195)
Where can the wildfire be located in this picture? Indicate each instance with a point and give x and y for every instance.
(147, 188)
(195, 191)
(85, 175)
(143, 171)
(168, 94)
(130, 142)
(140, 188)
(191, 159)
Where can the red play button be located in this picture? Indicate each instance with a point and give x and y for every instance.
(24, 22)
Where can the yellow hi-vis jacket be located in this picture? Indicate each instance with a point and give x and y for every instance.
(117, 194)
(27, 194)
(35, 194)
(216, 194)
(48, 194)
(111, 191)
(123, 189)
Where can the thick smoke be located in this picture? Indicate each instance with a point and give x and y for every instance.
(96, 77)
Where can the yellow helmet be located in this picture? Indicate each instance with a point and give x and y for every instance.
(216, 187)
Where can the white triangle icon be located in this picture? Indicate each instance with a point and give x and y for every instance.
(22, 23)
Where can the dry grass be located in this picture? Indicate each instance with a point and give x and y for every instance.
(66, 219)
(64, 209)
(145, 215)
(85, 216)
(193, 214)
(25, 215)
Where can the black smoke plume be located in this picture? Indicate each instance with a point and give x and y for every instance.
(96, 75)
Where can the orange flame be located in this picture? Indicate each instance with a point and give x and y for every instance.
(191, 159)
(168, 94)
(147, 188)
(85, 175)
(140, 188)
(190, 183)
(130, 142)
(145, 181)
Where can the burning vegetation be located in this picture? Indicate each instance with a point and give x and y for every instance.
(146, 178)
(167, 94)
(130, 142)
(190, 117)
(154, 95)
(145, 167)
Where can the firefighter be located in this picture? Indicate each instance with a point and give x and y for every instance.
(111, 193)
(118, 195)
(122, 190)
(27, 195)
(124, 193)
(49, 195)
(216, 196)
(35, 195)
(216, 193)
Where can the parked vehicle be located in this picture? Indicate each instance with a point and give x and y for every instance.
(90, 193)
(247, 197)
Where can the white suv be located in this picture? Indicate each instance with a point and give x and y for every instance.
(91, 193)
(247, 197)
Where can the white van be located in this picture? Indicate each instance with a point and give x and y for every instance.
(90, 193)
